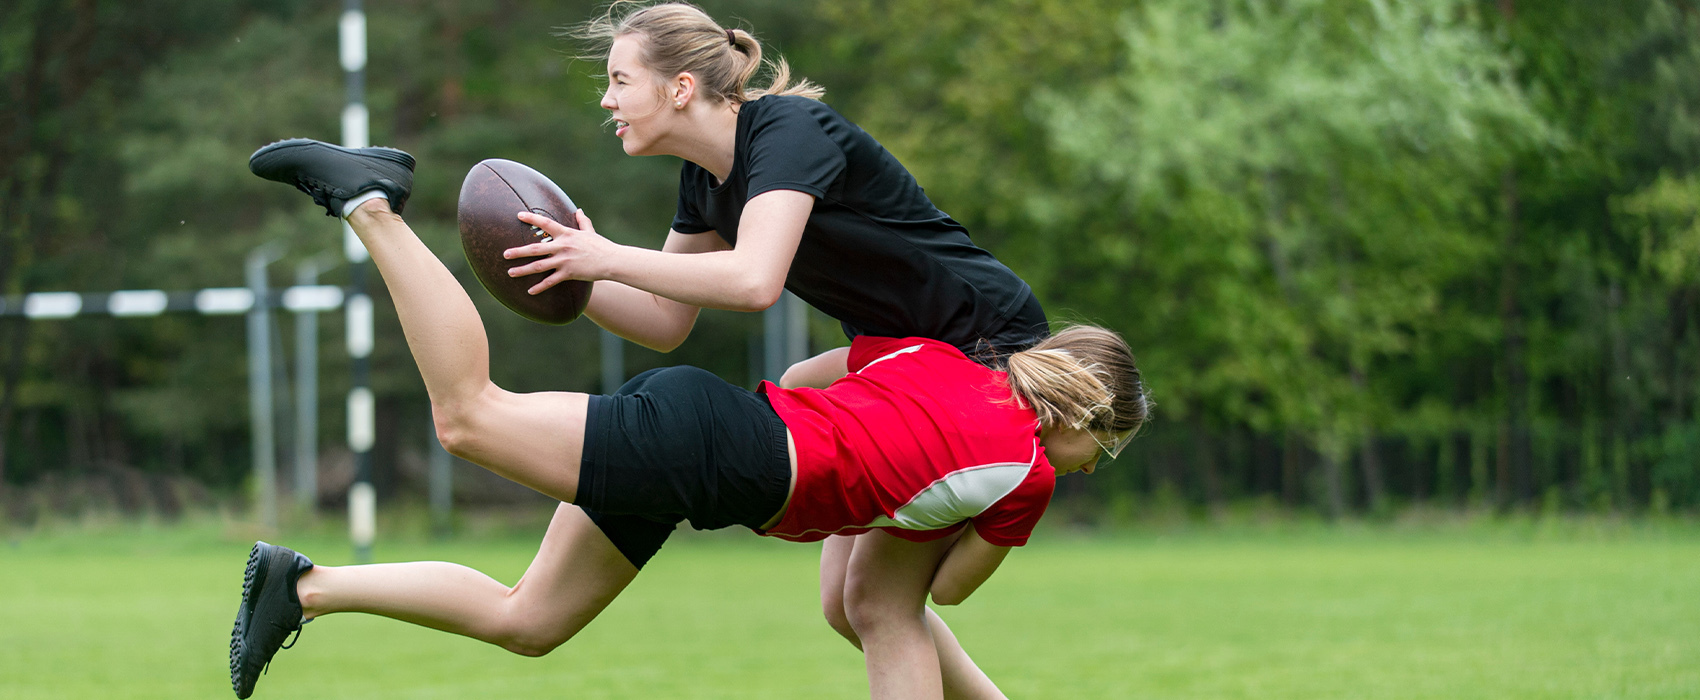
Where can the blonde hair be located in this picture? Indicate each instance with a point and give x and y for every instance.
(681, 38)
(1083, 377)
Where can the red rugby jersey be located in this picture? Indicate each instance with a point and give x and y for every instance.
(915, 440)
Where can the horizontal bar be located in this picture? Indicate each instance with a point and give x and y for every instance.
(142, 303)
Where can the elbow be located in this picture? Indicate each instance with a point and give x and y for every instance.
(667, 344)
(793, 378)
(946, 595)
(759, 294)
(667, 335)
(674, 336)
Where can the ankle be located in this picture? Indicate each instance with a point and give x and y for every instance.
(309, 594)
(372, 211)
(364, 200)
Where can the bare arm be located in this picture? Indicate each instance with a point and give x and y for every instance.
(747, 277)
(968, 564)
(819, 371)
(650, 320)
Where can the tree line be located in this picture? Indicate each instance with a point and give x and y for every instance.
(1369, 252)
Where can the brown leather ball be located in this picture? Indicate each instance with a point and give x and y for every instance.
(494, 192)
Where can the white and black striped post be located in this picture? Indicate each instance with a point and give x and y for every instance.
(362, 499)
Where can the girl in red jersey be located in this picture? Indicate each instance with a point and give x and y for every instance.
(954, 460)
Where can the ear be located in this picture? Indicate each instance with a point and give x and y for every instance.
(684, 88)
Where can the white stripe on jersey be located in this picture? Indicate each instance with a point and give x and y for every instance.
(888, 356)
(958, 496)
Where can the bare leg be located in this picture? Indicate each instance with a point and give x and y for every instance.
(834, 560)
(885, 587)
(534, 439)
(962, 679)
(576, 574)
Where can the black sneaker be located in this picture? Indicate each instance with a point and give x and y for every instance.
(269, 612)
(334, 174)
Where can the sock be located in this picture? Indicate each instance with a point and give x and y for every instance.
(357, 200)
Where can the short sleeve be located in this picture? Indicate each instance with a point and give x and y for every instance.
(1010, 521)
(688, 218)
(789, 150)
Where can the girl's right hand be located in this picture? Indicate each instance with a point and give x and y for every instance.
(571, 254)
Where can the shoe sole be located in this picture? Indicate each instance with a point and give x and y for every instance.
(255, 571)
(394, 155)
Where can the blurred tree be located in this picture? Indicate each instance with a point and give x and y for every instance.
(67, 68)
(1306, 176)
(1359, 230)
(132, 151)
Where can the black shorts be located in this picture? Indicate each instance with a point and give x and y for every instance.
(679, 443)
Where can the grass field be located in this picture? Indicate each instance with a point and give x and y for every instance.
(1533, 611)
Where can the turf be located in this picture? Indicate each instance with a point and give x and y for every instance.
(144, 612)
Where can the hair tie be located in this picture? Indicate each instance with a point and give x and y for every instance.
(731, 40)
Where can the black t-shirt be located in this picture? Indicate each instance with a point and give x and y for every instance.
(875, 253)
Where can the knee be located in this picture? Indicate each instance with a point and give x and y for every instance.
(527, 633)
(832, 605)
(450, 433)
(456, 423)
(532, 647)
(868, 610)
(534, 640)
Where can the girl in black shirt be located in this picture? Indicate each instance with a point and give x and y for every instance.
(778, 191)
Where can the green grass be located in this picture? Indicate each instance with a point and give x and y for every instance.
(1530, 611)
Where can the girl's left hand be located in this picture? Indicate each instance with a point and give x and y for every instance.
(573, 254)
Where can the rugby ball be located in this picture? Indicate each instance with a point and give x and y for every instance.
(491, 197)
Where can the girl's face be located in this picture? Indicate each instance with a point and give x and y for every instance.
(1070, 450)
(635, 98)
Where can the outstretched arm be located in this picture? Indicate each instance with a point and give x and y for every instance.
(650, 320)
(746, 277)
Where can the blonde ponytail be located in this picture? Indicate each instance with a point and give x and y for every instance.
(1083, 377)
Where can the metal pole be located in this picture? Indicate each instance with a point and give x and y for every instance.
(441, 486)
(285, 430)
(773, 341)
(260, 384)
(613, 362)
(785, 335)
(796, 329)
(362, 499)
(307, 396)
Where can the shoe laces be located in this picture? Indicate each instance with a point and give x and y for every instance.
(317, 189)
(297, 635)
(288, 644)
